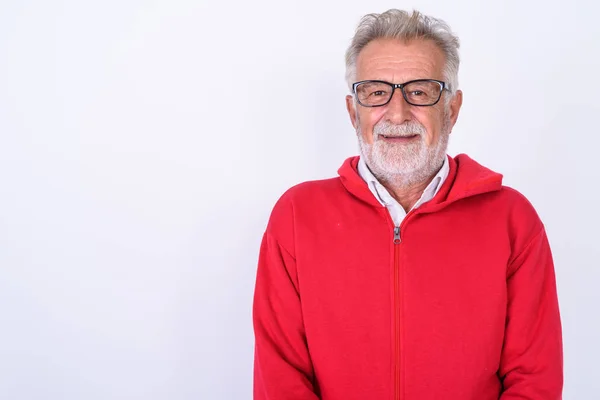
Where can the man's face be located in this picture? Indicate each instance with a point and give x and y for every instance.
(425, 129)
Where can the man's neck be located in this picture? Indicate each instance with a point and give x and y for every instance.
(407, 194)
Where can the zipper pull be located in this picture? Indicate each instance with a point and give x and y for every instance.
(397, 235)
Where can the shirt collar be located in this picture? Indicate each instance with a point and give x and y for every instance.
(383, 196)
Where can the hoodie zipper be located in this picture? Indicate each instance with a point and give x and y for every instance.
(397, 308)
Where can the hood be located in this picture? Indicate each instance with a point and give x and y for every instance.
(467, 178)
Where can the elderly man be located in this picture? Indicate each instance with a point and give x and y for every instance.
(413, 275)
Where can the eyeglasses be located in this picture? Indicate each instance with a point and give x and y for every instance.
(420, 92)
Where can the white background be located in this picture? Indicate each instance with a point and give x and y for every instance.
(143, 144)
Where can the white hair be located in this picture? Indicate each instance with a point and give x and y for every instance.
(399, 24)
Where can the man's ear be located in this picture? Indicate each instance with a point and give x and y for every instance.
(351, 110)
(455, 105)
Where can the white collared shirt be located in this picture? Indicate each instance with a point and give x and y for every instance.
(383, 196)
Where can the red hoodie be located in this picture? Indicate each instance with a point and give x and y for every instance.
(460, 304)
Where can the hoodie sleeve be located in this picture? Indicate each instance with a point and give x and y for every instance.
(531, 365)
(282, 365)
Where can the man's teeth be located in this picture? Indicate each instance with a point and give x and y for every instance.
(399, 136)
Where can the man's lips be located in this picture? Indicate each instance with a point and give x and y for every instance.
(398, 138)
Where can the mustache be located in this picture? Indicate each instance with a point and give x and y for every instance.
(410, 128)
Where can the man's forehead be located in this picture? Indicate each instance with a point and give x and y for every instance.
(392, 54)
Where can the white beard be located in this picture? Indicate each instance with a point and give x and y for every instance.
(400, 164)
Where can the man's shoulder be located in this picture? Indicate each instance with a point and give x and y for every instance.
(516, 202)
(519, 215)
(307, 190)
(309, 194)
(304, 203)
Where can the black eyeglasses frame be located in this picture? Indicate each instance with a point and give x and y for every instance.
(394, 86)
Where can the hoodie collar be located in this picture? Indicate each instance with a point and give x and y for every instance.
(466, 178)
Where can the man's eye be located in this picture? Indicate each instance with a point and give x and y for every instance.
(417, 93)
(379, 93)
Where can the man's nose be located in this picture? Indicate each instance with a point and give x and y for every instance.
(398, 110)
